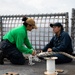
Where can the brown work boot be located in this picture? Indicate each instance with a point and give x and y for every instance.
(1, 58)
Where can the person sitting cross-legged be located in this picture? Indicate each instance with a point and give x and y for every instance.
(60, 42)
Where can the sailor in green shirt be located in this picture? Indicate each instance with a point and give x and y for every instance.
(15, 42)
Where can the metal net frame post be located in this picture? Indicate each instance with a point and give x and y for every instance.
(73, 28)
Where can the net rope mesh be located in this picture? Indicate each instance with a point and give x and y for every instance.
(38, 37)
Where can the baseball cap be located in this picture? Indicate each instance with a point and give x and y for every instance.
(31, 22)
(56, 24)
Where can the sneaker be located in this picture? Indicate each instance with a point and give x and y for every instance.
(1, 58)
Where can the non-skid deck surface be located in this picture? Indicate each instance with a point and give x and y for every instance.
(37, 69)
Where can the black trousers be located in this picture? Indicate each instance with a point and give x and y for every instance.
(61, 58)
(12, 53)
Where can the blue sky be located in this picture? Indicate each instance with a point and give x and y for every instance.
(12, 7)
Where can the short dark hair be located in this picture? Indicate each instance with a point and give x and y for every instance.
(24, 19)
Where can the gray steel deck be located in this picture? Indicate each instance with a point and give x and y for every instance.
(38, 69)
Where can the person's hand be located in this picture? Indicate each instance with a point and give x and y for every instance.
(34, 53)
(49, 50)
(41, 51)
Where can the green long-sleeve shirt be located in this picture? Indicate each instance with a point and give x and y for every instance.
(19, 37)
